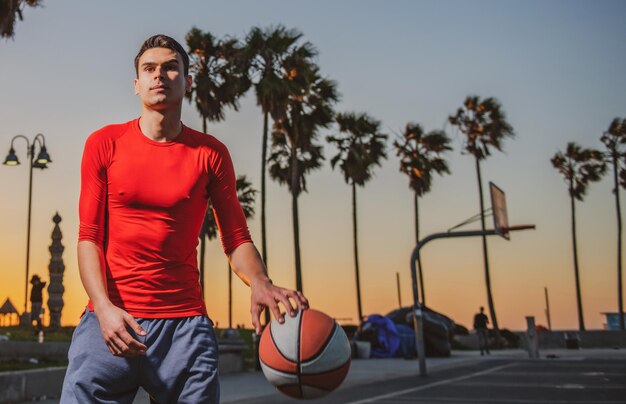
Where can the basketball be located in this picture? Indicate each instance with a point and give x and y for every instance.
(307, 356)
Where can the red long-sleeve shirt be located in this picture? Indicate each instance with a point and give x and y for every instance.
(143, 203)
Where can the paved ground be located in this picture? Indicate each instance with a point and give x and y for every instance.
(592, 376)
(504, 381)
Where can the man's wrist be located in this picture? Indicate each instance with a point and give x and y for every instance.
(260, 280)
(103, 304)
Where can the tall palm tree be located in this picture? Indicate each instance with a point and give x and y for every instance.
(219, 74)
(360, 146)
(579, 167)
(265, 52)
(614, 140)
(219, 81)
(484, 125)
(246, 195)
(10, 12)
(294, 152)
(420, 157)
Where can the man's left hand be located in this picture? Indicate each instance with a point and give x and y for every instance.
(265, 294)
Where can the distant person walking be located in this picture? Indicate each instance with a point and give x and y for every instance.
(480, 325)
(36, 299)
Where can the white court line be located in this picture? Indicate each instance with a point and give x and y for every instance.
(428, 386)
(483, 400)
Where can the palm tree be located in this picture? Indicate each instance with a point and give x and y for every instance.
(579, 167)
(10, 12)
(219, 74)
(219, 81)
(265, 52)
(361, 147)
(246, 195)
(420, 157)
(294, 152)
(614, 139)
(484, 125)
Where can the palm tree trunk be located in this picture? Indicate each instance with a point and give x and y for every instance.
(356, 253)
(295, 191)
(263, 178)
(202, 235)
(492, 309)
(620, 301)
(417, 240)
(263, 169)
(581, 320)
(230, 296)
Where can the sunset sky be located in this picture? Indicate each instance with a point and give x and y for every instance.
(557, 67)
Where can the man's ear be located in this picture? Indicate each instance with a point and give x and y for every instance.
(135, 82)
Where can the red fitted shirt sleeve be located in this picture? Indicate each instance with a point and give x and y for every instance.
(92, 204)
(229, 216)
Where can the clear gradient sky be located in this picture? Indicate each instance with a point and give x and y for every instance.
(557, 67)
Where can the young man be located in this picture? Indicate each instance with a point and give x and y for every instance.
(144, 191)
(480, 325)
(36, 300)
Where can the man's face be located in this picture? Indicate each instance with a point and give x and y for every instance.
(161, 81)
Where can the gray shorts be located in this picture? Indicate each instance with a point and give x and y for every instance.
(180, 365)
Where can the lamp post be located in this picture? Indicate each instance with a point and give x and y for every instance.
(40, 162)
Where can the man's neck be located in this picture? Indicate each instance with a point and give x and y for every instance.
(160, 126)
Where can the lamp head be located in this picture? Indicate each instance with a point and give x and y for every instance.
(43, 158)
(11, 159)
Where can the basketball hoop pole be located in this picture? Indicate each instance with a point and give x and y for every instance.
(418, 324)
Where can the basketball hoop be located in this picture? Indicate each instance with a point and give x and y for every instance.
(498, 207)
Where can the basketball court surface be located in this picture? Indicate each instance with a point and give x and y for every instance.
(561, 380)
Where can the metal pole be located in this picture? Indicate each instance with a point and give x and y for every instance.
(418, 323)
(548, 309)
(30, 200)
(417, 308)
(398, 285)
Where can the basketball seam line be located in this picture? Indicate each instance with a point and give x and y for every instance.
(299, 354)
(281, 353)
(323, 347)
(329, 370)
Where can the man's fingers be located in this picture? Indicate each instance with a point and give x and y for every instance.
(255, 312)
(302, 301)
(112, 348)
(276, 312)
(118, 344)
(130, 320)
(284, 299)
(134, 345)
(299, 298)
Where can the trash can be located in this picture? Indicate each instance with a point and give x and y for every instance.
(361, 349)
(572, 341)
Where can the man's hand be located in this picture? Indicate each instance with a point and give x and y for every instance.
(265, 294)
(113, 322)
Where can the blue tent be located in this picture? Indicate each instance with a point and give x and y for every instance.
(383, 335)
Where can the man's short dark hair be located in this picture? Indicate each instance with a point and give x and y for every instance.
(163, 41)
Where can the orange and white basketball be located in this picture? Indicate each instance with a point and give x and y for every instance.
(307, 356)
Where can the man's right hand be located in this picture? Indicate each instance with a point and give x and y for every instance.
(113, 322)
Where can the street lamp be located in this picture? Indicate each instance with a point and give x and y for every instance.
(41, 162)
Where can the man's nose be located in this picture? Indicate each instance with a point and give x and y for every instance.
(158, 71)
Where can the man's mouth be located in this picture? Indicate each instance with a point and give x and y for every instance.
(159, 87)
